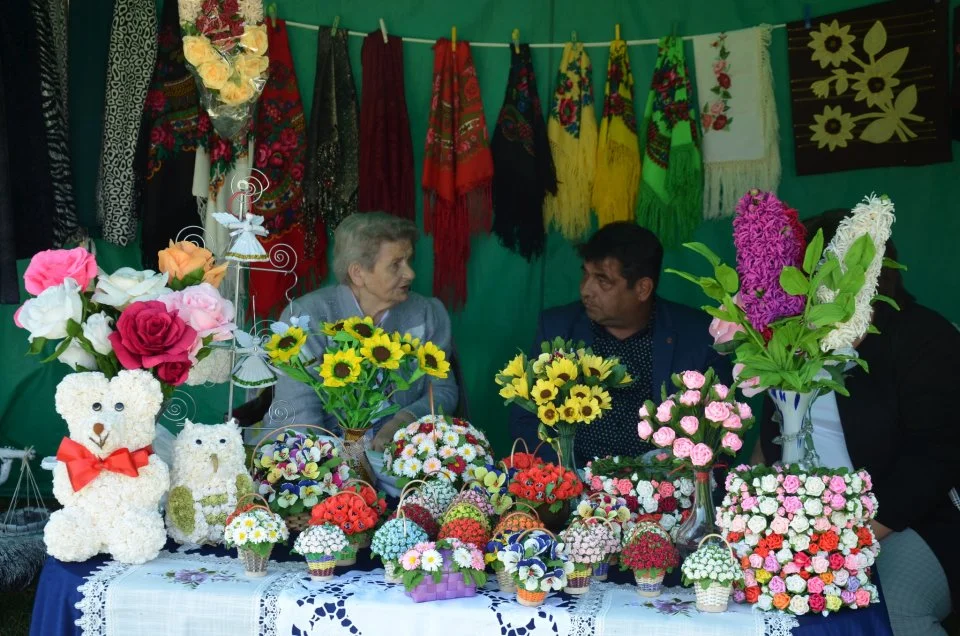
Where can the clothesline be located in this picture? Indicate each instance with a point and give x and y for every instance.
(504, 45)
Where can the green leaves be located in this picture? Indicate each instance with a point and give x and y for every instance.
(794, 282)
(36, 347)
(814, 252)
(825, 314)
(886, 299)
(861, 253)
(704, 251)
(727, 277)
(889, 263)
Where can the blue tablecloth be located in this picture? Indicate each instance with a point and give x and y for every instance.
(54, 610)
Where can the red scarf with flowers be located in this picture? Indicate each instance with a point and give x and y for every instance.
(280, 152)
(457, 169)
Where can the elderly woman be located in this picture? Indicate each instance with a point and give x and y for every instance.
(372, 260)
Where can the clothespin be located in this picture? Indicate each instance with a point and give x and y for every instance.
(272, 12)
(573, 37)
(383, 30)
(515, 36)
(617, 37)
(807, 18)
(453, 38)
(336, 24)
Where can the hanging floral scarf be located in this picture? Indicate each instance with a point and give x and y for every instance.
(618, 153)
(133, 50)
(386, 149)
(331, 177)
(523, 168)
(671, 197)
(572, 131)
(279, 152)
(457, 169)
(171, 115)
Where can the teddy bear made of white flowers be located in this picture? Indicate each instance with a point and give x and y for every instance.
(107, 477)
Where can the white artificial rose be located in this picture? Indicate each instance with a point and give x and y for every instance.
(800, 542)
(840, 577)
(784, 555)
(686, 487)
(800, 523)
(751, 539)
(813, 507)
(97, 329)
(644, 490)
(814, 486)
(856, 482)
(799, 605)
(46, 315)
(839, 519)
(685, 502)
(757, 524)
(76, 358)
(765, 602)
(796, 583)
(735, 485)
(667, 522)
(768, 505)
(128, 285)
(768, 483)
(650, 505)
(831, 590)
(848, 538)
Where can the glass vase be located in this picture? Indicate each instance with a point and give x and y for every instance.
(796, 426)
(564, 445)
(702, 519)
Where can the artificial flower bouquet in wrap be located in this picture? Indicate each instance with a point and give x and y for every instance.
(565, 387)
(254, 532)
(803, 537)
(295, 470)
(320, 545)
(437, 448)
(225, 47)
(165, 322)
(442, 570)
(792, 311)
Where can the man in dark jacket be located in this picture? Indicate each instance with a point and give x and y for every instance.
(619, 314)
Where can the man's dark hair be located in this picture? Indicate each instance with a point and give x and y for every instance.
(636, 248)
(891, 280)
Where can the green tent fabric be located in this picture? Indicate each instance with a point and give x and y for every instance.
(505, 292)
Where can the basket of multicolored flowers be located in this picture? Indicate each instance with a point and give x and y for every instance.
(443, 570)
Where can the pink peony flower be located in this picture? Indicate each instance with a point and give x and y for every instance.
(624, 486)
(745, 411)
(664, 411)
(719, 66)
(780, 525)
(838, 485)
(790, 568)
(203, 308)
(852, 563)
(690, 398)
(50, 267)
(689, 424)
(749, 503)
(596, 483)
(701, 455)
(732, 441)
(723, 331)
(666, 489)
(739, 524)
(838, 502)
(682, 447)
(722, 391)
(693, 379)
(716, 108)
(733, 423)
(644, 430)
(717, 412)
(815, 585)
(792, 504)
(749, 578)
(791, 484)
(863, 597)
(664, 437)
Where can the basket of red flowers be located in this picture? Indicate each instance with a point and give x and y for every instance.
(356, 510)
(549, 488)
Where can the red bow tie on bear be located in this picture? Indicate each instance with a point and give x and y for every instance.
(83, 466)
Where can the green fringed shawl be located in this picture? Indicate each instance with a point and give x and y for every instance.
(671, 187)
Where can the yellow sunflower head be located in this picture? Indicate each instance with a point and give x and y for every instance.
(382, 351)
(596, 367)
(589, 409)
(433, 361)
(360, 328)
(561, 371)
(580, 391)
(340, 368)
(548, 414)
(515, 368)
(544, 391)
(603, 397)
(332, 328)
(284, 347)
(570, 411)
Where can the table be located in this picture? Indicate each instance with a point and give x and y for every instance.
(291, 604)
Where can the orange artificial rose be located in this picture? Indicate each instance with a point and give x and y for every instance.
(827, 578)
(182, 259)
(781, 601)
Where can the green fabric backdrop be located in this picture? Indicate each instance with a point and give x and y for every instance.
(505, 292)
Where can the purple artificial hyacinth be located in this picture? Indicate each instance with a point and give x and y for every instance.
(768, 237)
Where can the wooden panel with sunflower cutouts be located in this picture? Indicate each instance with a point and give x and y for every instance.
(869, 87)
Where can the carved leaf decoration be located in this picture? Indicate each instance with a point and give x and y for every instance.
(875, 39)
(890, 63)
(906, 101)
(881, 130)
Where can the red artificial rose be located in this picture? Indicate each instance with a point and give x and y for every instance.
(723, 80)
(828, 541)
(774, 541)
(801, 559)
(720, 122)
(762, 543)
(733, 537)
(817, 603)
(864, 536)
(470, 439)
(174, 373)
(753, 593)
(632, 503)
(148, 334)
(763, 551)
(667, 504)
(836, 561)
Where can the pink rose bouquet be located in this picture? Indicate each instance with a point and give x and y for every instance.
(803, 538)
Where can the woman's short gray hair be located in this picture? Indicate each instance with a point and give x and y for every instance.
(358, 238)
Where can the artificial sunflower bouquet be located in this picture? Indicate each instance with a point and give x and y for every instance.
(360, 370)
(566, 386)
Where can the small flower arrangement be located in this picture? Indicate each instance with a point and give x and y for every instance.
(587, 544)
(436, 447)
(392, 540)
(712, 570)
(803, 537)
(419, 515)
(537, 562)
(650, 554)
(466, 510)
(545, 483)
(697, 422)
(435, 495)
(96, 320)
(469, 531)
(254, 532)
(493, 481)
(320, 545)
(356, 510)
(296, 470)
(611, 511)
(476, 497)
(449, 564)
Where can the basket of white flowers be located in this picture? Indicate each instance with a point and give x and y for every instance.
(253, 530)
(712, 570)
(319, 545)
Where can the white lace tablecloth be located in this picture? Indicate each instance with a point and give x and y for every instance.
(201, 594)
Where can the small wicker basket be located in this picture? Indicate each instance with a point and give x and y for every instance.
(715, 597)
(649, 586)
